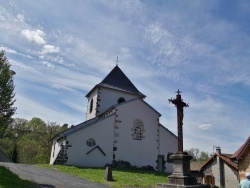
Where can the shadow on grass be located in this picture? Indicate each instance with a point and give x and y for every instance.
(134, 170)
(10, 180)
(122, 177)
(124, 169)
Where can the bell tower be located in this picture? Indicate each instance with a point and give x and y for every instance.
(114, 89)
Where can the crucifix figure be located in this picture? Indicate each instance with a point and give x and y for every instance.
(179, 105)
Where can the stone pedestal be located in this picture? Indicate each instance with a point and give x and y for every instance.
(181, 177)
(108, 174)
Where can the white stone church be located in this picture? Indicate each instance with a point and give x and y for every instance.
(119, 126)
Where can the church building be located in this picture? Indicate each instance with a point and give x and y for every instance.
(120, 125)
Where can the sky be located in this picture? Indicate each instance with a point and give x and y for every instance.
(61, 49)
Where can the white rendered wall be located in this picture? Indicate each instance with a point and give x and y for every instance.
(102, 133)
(229, 175)
(231, 178)
(137, 152)
(108, 97)
(55, 149)
(93, 96)
(168, 143)
(216, 171)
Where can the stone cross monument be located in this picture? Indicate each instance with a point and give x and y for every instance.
(179, 105)
(181, 176)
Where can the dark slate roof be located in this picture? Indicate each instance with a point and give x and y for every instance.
(116, 79)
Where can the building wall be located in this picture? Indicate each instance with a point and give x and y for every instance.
(168, 143)
(244, 164)
(212, 169)
(55, 149)
(138, 152)
(102, 134)
(230, 175)
(114, 136)
(108, 97)
(157, 139)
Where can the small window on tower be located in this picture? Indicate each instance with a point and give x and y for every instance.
(91, 106)
(120, 100)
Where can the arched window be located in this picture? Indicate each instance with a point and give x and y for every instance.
(120, 100)
(91, 106)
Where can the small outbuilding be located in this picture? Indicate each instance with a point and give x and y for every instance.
(220, 170)
(226, 170)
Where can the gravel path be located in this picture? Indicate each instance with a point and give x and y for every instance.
(49, 178)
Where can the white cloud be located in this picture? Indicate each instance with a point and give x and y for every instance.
(24, 67)
(69, 80)
(48, 64)
(20, 17)
(8, 50)
(36, 36)
(205, 126)
(48, 49)
(129, 7)
(33, 108)
(125, 52)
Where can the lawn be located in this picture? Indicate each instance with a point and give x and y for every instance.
(122, 177)
(11, 180)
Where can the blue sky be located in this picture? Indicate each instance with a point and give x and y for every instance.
(61, 49)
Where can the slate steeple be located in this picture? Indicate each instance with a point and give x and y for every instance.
(116, 79)
(114, 89)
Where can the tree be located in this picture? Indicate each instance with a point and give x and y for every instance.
(34, 145)
(30, 151)
(204, 156)
(6, 94)
(198, 155)
(30, 141)
(194, 153)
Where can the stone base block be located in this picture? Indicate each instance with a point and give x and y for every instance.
(182, 180)
(108, 174)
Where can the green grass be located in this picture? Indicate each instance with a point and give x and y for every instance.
(122, 177)
(11, 180)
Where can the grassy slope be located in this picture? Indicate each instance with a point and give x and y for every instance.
(122, 177)
(11, 180)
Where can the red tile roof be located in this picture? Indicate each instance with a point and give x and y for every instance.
(196, 165)
(225, 158)
(237, 155)
(229, 157)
